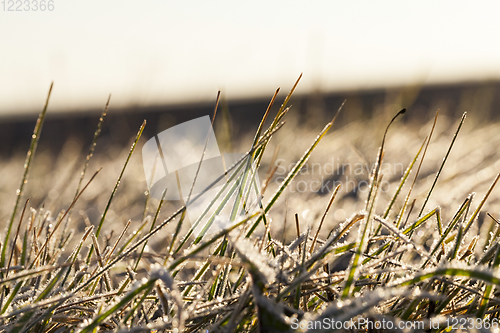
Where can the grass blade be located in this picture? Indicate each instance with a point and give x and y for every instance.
(27, 164)
(103, 216)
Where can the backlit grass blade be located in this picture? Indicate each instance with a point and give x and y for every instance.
(403, 237)
(291, 175)
(201, 271)
(324, 216)
(12, 294)
(450, 227)
(151, 229)
(343, 312)
(206, 244)
(407, 199)
(478, 209)
(488, 289)
(442, 164)
(187, 201)
(27, 164)
(378, 164)
(87, 159)
(479, 273)
(134, 293)
(396, 194)
(60, 219)
(103, 216)
(210, 205)
(72, 258)
(15, 237)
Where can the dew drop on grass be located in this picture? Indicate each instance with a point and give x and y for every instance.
(305, 214)
(340, 214)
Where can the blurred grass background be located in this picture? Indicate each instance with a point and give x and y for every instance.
(354, 140)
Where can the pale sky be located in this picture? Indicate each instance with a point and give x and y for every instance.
(162, 51)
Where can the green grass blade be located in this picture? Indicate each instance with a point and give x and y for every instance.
(480, 273)
(291, 175)
(12, 294)
(151, 229)
(478, 209)
(120, 304)
(396, 194)
(207, 209)
(206, 244)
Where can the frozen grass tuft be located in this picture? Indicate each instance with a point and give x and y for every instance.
(407, 260)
